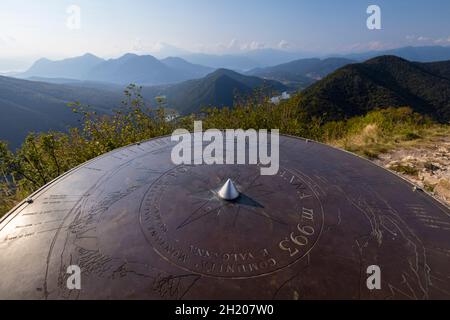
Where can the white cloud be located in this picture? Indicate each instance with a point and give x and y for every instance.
(140, 46)
(234, 46)
(427, 40)
(376, 45)
(284, 44)
(423, 39)
(158, 49)
(442, 41)
(7, 40)
(137, 46)
(367, 46)
(254, 45)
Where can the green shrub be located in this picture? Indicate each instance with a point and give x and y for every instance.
(44, 156)
(405, 169)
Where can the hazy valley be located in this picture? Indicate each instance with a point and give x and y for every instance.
(333, 88)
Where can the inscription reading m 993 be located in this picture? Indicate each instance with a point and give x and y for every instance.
(265, 230)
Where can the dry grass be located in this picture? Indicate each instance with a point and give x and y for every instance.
(370, 142)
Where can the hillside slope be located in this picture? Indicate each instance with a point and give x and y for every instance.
(411, 53)
(129, 68)
(380, 82)
(301, 73)
(71, 68)
(186, 70)
(132, 68)
(27, 106)
(219, 89)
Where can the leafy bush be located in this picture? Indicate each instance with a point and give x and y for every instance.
(45, 156)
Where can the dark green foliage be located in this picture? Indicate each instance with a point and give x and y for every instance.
(45, 156)
(36, 106)
(382, 82)
(405, 169)
(218, 89)
(301, 73)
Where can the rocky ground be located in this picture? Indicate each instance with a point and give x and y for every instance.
(426, 164)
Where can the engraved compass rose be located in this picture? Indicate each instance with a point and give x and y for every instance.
(140, 227)
(230, 221)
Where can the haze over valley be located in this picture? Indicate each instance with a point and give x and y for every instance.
(38, 97)
(188, 57)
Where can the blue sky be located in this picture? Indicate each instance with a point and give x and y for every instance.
(109, 28)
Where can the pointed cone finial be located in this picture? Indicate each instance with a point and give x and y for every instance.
(228, 191)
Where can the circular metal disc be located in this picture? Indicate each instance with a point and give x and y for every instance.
(140, 227)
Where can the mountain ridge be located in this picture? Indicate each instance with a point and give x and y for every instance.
(30, 106)
(301, 73)
(386, 81)
(72, 68)
(411, 53)
(126, 69)
(217, 89)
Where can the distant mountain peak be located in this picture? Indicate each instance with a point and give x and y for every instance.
(410, 53)
(146, 70)
(90, 55)
(126, 56)
(223, 71)
(41, 61)
(386, 59)
(218, 89)
(70, 68)
(174, 59)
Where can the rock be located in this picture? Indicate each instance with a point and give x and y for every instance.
(431, 162)
(431, 167)
(442, 189)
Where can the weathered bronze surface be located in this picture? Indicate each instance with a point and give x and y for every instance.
(140, 227)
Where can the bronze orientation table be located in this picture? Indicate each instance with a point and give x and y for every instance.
(140, 227)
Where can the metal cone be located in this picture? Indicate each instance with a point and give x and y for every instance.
(228, 191)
